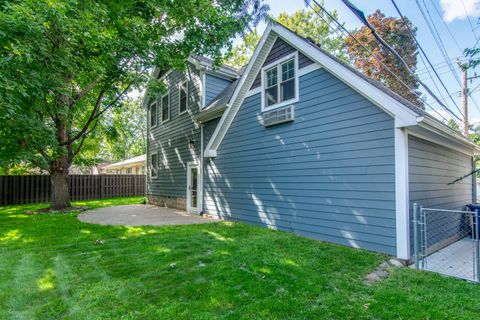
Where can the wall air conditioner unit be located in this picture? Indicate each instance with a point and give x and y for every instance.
(277, 116)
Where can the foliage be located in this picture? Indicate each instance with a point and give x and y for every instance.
(314, 24)
(396, 34)
(208, 271)
(126, 132)
(454, 125)
(473, 56)
(20, 168)
(121, 135)
(242, 52)
(64, 64)
(306, 23)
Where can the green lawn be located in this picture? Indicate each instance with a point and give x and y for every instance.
(55, 267)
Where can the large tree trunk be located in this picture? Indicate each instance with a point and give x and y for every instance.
(59, 193)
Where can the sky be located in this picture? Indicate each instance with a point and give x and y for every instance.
(459, 16)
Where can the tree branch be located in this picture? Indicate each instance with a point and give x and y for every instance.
(86, 91)
(89, 121)
(82, 140)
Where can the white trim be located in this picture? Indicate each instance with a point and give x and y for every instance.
(203, 89)
(221, 75)
(222, 127)
(184, 84)
(277, 64)
(149, 114)
(310, 68)
(434, 126)
(254, 91)
(402, 114)
(445, 144)
(169, 105)
(151, 164)
(192, 164)
(401, 194)
(301, 72)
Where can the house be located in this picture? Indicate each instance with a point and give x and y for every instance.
(300, 141)
(135, 165)
(93, 169)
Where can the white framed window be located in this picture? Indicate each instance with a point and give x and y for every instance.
(183, 97)
(153, 109)
(280, 82)
(165, 101)
(154, 165)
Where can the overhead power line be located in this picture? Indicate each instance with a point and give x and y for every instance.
(348, 33)
(405, 22)
(470, 21)
(445, 52)
(446, 26)
(360, 15)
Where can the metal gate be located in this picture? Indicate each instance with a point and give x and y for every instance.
(447, 242)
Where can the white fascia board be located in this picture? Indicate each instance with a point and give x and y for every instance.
(448, 133)
(228, 115)
(403, 116)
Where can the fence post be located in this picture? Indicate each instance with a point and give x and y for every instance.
(415, 235)
(423, 214)
(476, 233)
(102, 186)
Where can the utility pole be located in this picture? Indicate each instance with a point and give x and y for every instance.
(465, 101)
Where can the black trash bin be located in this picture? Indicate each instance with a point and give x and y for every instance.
(474, 223)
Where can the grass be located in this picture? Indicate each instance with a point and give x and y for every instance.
(53, 267)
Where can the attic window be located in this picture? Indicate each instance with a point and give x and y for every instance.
(280, 83)
(165, 107)
(153, 114)
(183, 97)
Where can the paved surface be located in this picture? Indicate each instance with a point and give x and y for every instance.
(455, 260)
(140, 215)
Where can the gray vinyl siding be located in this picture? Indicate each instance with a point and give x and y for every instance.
(171, 138)
(214, 85)
(327, 175)
(431, 168)
(279, 50)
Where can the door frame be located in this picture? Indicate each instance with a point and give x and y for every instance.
(190, 209)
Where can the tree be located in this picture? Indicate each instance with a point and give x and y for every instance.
(125, 132)
(307, 23)
(242, 52)
(396, 34)
(64, 64)
(310, 23)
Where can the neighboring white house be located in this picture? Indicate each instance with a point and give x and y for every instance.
(134, 165)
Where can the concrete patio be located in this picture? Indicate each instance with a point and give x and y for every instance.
(140, 215)
(456, 260)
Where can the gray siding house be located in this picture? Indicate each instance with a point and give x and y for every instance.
(301, 142)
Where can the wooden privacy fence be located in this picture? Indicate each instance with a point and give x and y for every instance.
(32, 189)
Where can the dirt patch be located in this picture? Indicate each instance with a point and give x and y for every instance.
(50, 211)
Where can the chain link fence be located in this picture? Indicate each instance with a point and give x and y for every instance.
(447, 242)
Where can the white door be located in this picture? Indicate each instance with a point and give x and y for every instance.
(192, 188)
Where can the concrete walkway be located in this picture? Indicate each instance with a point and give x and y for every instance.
(140, 215)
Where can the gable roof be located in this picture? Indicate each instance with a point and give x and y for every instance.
(404, 112)
(200, 63)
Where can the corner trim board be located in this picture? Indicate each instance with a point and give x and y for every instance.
(401, 194)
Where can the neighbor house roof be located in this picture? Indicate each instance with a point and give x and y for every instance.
(132, 161)
(405, 113)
